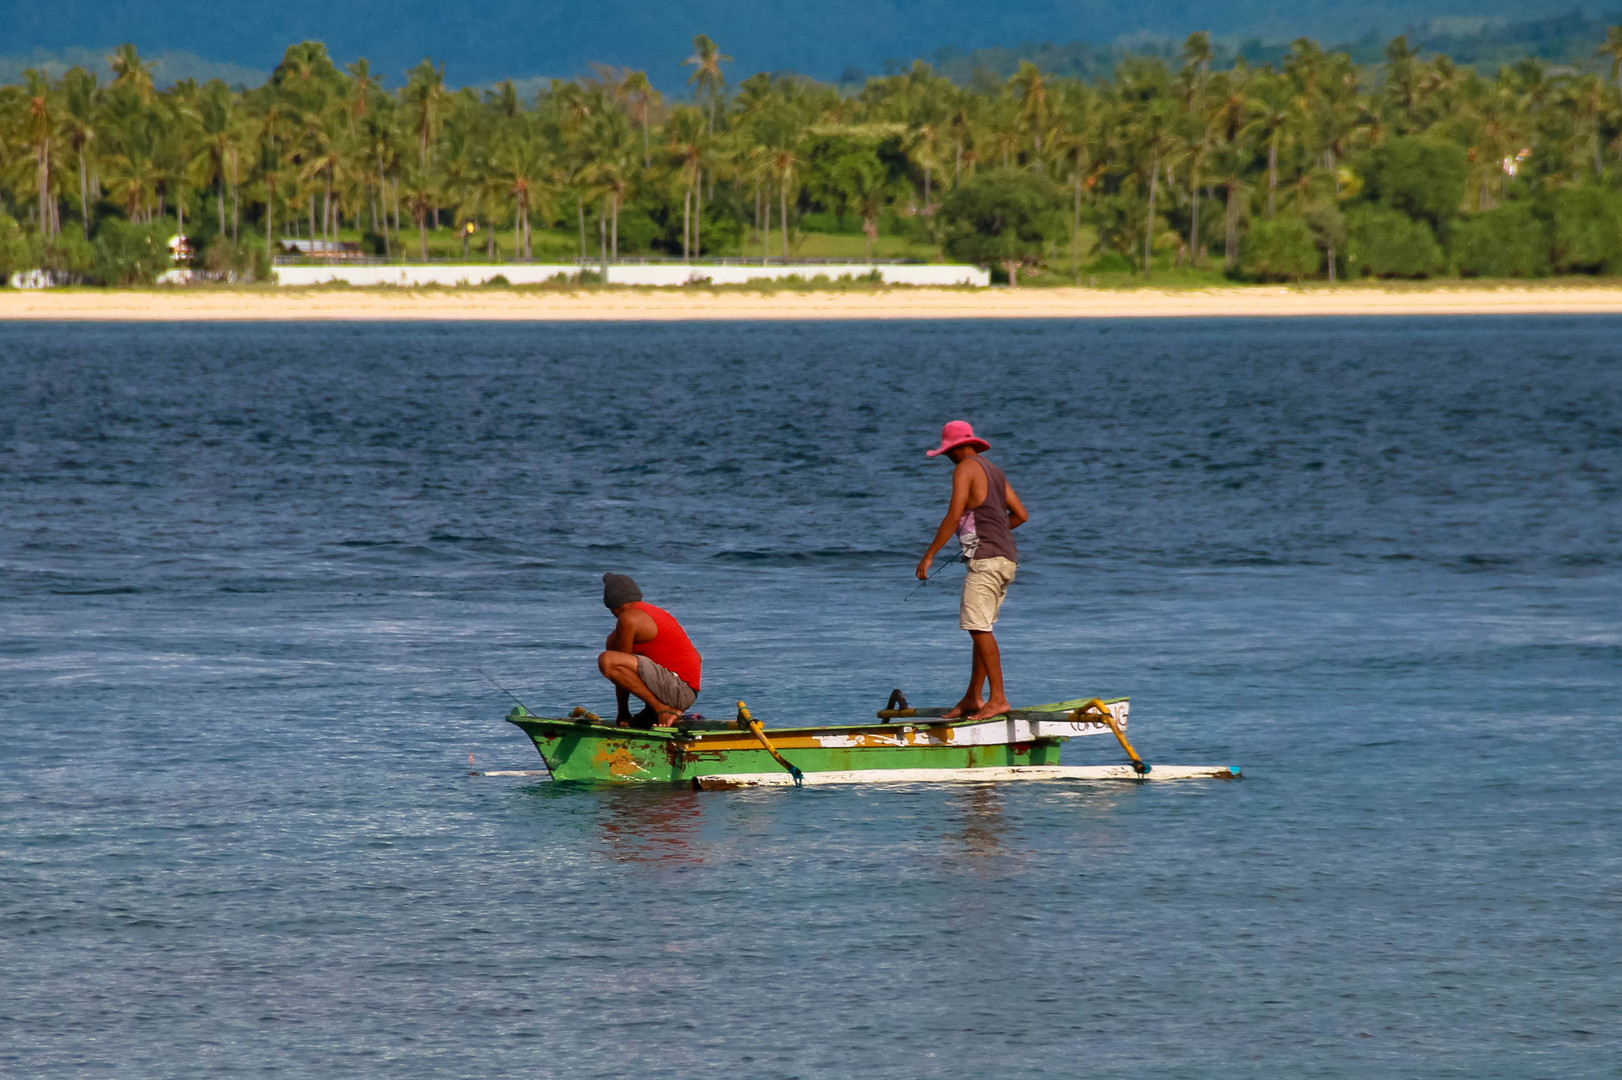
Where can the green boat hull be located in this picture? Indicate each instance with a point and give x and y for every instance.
(578, 750)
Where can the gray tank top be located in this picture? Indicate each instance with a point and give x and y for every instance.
(988, 522)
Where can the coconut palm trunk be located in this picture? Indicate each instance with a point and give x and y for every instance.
(1230, 239)
(782, 207)
(1272, 172)
(1149, 225)
(1075, 229)
(766, 233)
(84, 195)
(42, 176)
(686, 225)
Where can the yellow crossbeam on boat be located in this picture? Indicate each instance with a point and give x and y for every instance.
(959, 776)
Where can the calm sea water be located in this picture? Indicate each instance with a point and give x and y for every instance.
(248, 573)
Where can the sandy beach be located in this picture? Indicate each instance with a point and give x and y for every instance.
(186, 305)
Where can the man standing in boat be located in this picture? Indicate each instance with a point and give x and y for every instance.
(983, 513)
(649, 656)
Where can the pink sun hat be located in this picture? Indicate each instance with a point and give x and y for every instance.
(958, 433)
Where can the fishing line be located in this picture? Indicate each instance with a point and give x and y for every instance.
(958, 558)
(503, 689)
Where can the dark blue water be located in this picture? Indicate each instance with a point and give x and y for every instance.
(248, 573)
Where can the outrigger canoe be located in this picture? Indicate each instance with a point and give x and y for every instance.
(716, 753)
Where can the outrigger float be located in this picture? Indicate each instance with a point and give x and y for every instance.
(905, 745)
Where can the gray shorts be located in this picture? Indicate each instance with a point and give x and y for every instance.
(666, 685)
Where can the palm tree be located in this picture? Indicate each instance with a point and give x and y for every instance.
(1272, 109)
(1402, 80)
(519, 170)
(610, 169)
(866, 188)
(1228, 109)
(131, 74)
(79, 125)
(643, 97)
(39, 134)
(1613, 48)
(133, 178)
(1033, 103)
(425, 96)
(421, 197)
(1152, 130)
(1197, 129)
(690, 150)
(707, 77)
(362, 85)
(219, 127)
(272, 133)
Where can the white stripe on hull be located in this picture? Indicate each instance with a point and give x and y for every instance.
(998, 773)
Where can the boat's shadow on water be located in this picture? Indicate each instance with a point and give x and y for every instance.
(981, 828)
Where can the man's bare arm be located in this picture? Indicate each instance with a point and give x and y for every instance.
(625, 636)
(1016, 509)
(954, 514)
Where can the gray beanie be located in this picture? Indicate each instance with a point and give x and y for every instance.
(619, 589)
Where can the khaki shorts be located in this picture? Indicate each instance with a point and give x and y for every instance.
(666, 685)
(984, 590)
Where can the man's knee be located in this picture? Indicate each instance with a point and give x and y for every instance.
(610, 662)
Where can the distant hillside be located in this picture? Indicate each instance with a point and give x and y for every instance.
(1485, 43)
(526, 38)
(169, 67)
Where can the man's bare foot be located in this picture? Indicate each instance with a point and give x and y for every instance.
(961, 709)
(668, 718)
(994, 707)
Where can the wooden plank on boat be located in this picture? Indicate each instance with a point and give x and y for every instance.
(959, 776)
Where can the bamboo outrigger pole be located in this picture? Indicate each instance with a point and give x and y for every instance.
(747, 721)
(1139, 766)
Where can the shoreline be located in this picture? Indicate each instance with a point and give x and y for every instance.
(697, 304)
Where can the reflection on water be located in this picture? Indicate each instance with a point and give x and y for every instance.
(981, 819)
(657, 824)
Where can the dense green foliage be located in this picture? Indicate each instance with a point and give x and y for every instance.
(1305, 167)
(1281, 249)
(15, 251)
(131, 254)
(1424, 178)
(1002, 217)
(1387, 243)
(1587, 232)
(1511, 241)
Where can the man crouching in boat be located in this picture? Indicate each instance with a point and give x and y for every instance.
(983, 512)
(648, 655)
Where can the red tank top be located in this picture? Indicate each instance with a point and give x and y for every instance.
(670, 648)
